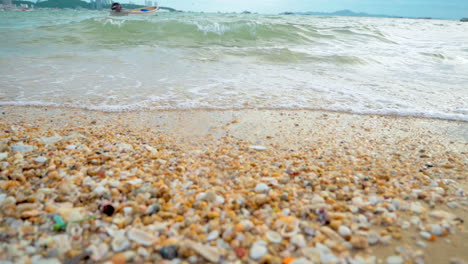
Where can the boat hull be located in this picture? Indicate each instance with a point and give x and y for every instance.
(144, 11)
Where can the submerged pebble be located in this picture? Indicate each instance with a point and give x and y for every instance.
(169, 252)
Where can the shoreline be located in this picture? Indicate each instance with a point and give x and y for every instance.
(390, 186)
(201, 109)
(293, 123)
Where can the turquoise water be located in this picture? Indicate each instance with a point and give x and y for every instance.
(90, 60)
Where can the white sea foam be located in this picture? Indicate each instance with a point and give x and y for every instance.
(359, 65)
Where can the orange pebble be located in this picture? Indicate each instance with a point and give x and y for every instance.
(288, 260)
(119, 259)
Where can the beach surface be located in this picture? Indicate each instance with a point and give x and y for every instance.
(231, 186)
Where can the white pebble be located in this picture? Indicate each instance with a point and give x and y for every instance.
(425, 235)
(317, 199)
(452, 205)
(21, 148)
(128, 210)
(459, 192)
(362, 219)
(3, 156)
(416, 207)
(100, 190)
(261, 187)
(258, 250)
(419, 243)
(394, 260)
(386, 240)
(141, 237)
(299, 241)
(415, 220)
(373, 200)
(212, 235)
(257, 147)
(219, 199)
(344, 231)
(436, 230)
(40, 159)
(373, 238)
(274, 237)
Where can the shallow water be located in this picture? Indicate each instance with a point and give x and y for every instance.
(90, 60)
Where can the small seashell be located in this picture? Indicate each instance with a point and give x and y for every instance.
(299, 240)
(258, 250)
(3, 156)
(120, 243)
(273, 237)
(98, 252)
(301, 261)
(359, 242)
(143, 252)
(141, 237)
(64, 243)
(317, 199)
(240, 252)
(257, 147)
(151, 149)
(51, 140)
(405, 225)
(210, 253)
(442, 215)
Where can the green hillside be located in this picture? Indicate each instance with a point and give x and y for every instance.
(29, 3)
(63, 4)
(76, 4)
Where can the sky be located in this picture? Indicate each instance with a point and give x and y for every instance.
(451, 9)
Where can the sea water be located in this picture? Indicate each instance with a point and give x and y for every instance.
(90, 60)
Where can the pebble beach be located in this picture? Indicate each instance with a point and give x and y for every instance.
(231, 186)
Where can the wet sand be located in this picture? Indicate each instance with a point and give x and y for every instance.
(229, 184)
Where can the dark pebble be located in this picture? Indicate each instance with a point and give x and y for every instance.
(169, 252)
(153, 209)
(108, 209)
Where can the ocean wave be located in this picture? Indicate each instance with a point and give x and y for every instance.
(189, 31)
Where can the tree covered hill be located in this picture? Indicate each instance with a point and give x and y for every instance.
(68, 4)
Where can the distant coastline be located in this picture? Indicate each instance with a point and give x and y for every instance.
(79, 4)
(350, 13)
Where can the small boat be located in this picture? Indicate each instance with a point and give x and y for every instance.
(144, 11)
(465, 19)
